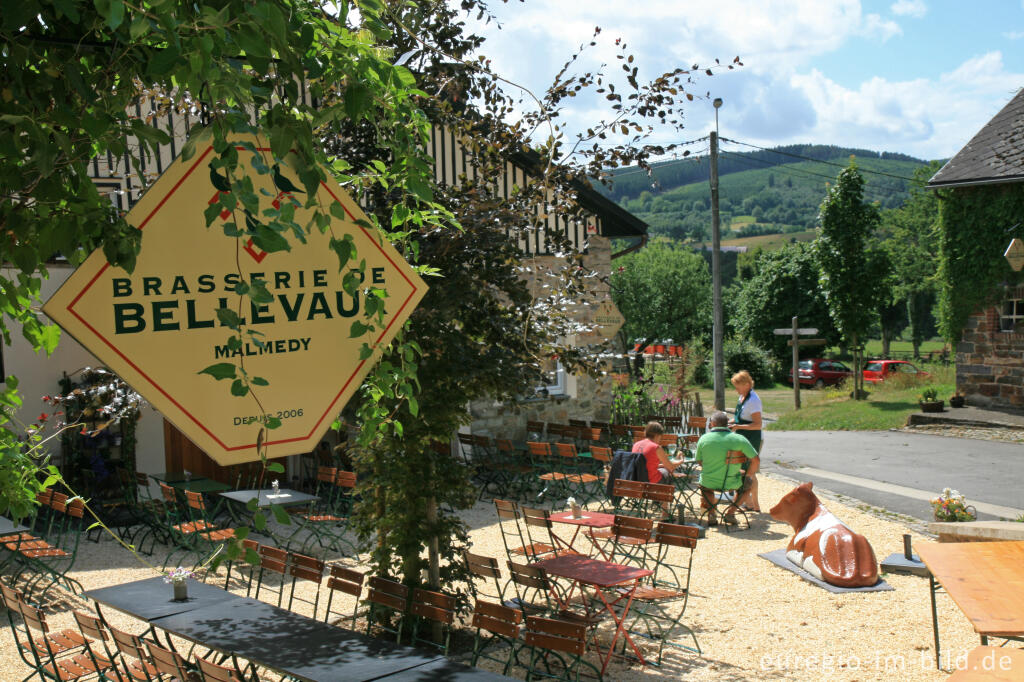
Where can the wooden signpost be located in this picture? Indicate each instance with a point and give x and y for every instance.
(796, 342)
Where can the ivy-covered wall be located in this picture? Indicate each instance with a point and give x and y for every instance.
(975, 228)
(977, 224)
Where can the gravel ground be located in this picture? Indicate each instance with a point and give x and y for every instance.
(1006, 435)
(754, 620)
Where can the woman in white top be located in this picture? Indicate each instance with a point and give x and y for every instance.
(747, 422)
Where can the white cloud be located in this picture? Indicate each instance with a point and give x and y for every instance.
(875, 26)
(930, 118)
(909, 8)
(1013, 35)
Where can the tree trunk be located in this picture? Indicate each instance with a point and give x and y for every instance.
(886, 339)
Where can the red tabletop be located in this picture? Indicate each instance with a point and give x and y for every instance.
(592, 571)
(589, 519)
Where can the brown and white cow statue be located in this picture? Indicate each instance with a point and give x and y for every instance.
(823, 545)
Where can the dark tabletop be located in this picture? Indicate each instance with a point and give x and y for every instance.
(292, 643)
(174, 477)
(444, 670)
(8, 526)
(284, 498)
(153, 598)
(202, 485)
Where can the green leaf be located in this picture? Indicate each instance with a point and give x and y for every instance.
(280, 514)
(116, 15)
(273, 423)
(282, 183)
(220, 182)
(259, 381)
(357, 97)
(358, 329)
(251, 505)
(251, 557)
(221, 370)
(414, 407)
(419, 188)
(229, 318)
(241, 533)
(239, 388)
(260, 521)
(276, 467)
(270, 241)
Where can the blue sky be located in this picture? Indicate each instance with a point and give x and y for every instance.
(912, 76)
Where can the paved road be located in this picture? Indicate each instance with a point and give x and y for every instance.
(902, 471)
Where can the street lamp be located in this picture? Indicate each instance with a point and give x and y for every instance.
(716, 271)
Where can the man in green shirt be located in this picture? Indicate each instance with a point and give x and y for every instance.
(712, 450)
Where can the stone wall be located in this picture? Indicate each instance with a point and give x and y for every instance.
(990, 362)
(593, 397)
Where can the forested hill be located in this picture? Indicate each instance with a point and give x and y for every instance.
(769, 196)
(668, 174)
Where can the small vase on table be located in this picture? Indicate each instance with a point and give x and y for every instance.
(178, 579)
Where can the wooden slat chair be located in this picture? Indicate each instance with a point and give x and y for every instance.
(273, 562)
(97, 636)
(386, 598)
(52, 558)
(672, 424)
(539, 535)
(496, 625)
(136, 665)
(605, 427)
(168, 662)
(630, 539)
(555, 432)
(659, 602)
(327, 522)
(345, 581)
(520, 469)
(534, 430)
(199, 535)
(590, 437)
(579, 423)
(556, 649)
(150, 510)
(637, 433)
(432, 607)
(307, 568)
(63, 656)
(516, 543)
(552, 480)
(659, 499)
(486, 570)
(494, 471)
(621, 436)
(697, 425)
(242, 569)
(214, 672)
(532, 589)
(578, 480)
(726, 497)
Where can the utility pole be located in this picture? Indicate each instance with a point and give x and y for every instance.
(716, 271)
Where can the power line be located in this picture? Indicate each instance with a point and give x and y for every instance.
(788, 169)
(693, 157)
(827, 163)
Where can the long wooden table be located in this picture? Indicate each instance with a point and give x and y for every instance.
(984, 579)
(278, 639)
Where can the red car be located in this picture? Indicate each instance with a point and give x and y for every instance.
(819, 373)
(879, 370)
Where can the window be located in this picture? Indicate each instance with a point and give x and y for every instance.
(806, 364)
(559, 382)
(1013, 309)
(873, 367)
(906, 368)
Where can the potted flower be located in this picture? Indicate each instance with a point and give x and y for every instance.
(178, 578)
(958, 399)
(952, 506)
(577, 512)
(929, 402)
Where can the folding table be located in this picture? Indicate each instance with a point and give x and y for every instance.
(8, 526)
(601, 575)
(589, 519)
(985, 580)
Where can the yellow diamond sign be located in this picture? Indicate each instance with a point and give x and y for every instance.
(158, 327)
(606, 321)
(1015, 254)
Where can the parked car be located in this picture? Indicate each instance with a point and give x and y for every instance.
(879, 370)
(819, 372)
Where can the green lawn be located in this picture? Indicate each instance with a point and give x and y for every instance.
(873, 348)
(887, 406)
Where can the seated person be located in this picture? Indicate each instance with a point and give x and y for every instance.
(712, 449)
(659, 466)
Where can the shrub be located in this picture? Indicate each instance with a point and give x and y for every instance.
(743, 354)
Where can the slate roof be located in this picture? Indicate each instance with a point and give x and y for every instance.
(994, 155)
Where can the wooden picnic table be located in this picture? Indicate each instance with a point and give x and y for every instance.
(601, 575)
(991, 664)
(984, 579)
